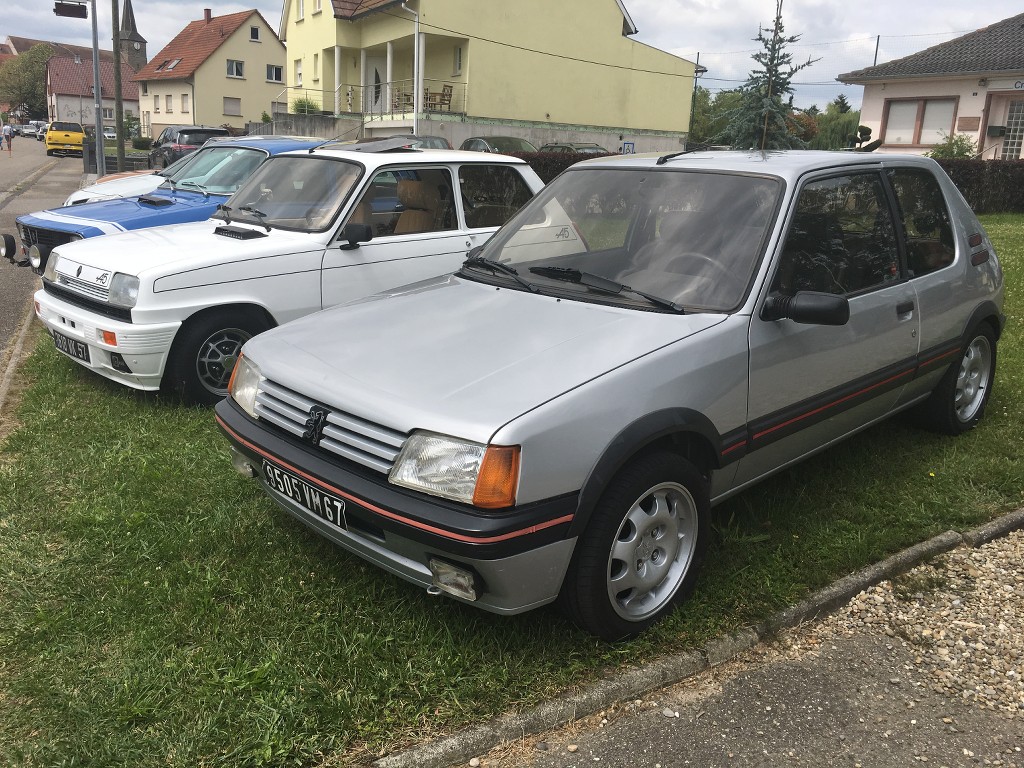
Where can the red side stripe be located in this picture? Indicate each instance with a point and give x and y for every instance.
(834, 403)
(389, 514)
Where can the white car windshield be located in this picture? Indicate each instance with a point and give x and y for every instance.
(691, 238)
(215, 170)
(296, 192)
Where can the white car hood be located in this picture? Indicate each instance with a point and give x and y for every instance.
(458, 357)
(128, 186)
(168, 249)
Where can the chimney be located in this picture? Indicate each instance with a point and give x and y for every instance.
(207, 15)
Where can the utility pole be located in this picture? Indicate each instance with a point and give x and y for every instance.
(118, 96)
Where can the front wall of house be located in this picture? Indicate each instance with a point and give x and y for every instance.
(978, 103)
(255, 92)
(506, 81)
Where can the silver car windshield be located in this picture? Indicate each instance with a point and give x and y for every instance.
(216, 170)
(297, 192)
(689, 237)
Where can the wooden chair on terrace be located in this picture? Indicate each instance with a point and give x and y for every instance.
(443, 100)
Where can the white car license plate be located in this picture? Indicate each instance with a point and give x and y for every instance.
(71, 347)
(324, 505)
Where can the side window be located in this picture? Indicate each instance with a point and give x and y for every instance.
(491, 194)
(406, 202)
(841, 239)
(926, 223)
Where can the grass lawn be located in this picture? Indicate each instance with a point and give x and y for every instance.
(156, 609)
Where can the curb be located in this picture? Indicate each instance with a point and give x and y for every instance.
(634, 682)
(16, 354)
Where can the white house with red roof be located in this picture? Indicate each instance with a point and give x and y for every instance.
(69, 90)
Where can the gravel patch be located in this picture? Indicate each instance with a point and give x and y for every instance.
(962, 615)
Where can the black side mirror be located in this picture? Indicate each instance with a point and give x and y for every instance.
(354, 234)
(808, 307)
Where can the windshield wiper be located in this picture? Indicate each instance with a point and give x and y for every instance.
(258, 214)
(475, 260)
(598, 283)
(226, 209)
(197, 185)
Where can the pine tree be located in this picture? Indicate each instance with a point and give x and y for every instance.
(840, 104)
(762, 119)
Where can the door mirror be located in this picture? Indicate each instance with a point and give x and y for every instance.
(808, 307)
(354, 234)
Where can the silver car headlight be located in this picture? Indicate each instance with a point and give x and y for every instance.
(124, 290)
(244, 384)
(482, 475)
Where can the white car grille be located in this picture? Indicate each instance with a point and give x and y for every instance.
(90, 289)
(337, 432)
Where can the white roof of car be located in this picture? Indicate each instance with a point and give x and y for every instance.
(375, 159)
(789, 164)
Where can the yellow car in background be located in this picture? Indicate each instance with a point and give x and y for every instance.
(63, 137)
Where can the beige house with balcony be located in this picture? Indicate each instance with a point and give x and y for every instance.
(532, 68)
(972, 86)
(221, 70)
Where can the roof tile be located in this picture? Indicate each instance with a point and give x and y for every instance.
(73, 77)
(996, 48)
(193, 45)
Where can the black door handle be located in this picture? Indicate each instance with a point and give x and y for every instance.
(904, 307)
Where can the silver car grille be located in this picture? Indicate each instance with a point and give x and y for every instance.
(340, 433)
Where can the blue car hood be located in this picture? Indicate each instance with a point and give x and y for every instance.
(105, 217)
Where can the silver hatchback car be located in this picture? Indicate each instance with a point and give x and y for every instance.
(647, 337)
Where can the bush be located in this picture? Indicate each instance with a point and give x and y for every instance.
(954, 147)
(547, 165)
(142, 142)
(304, 106)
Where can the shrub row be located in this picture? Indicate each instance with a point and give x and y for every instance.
(990, 186)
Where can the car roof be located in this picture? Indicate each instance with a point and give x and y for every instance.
(789, 164)
(374, 154)
(271, 144)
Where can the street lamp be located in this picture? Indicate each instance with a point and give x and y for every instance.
(76, 9)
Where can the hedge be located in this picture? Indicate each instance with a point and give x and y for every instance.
(990, 186)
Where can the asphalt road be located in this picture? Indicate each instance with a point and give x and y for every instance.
(29, 181)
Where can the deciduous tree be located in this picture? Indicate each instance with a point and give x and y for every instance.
(23, 80)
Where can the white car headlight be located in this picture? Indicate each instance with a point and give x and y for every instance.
(124, 290)
(244, 384)
(50, 271)
(460, 470)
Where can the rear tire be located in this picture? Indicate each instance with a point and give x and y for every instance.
(642, 549)
(205, 351)
(958, 402)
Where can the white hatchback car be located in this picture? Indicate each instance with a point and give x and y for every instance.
(170, 307)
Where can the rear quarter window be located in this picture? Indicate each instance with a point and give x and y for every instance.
(926, 220)
(491, 194)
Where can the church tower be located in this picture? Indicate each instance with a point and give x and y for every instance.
(133, 45)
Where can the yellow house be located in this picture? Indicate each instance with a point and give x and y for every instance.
(220, 70)
(535, 68)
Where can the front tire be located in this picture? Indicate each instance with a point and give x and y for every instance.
(958, 402)
(641, 551)
(205, 352)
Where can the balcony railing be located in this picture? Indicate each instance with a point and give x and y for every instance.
(389, 100)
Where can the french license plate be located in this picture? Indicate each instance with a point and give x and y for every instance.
(324, 505)
(71, 347)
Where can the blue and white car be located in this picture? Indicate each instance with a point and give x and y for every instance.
(193, 193)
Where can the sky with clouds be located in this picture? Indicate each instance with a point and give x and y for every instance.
(842, 36)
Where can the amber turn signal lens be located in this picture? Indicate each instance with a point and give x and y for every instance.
(498, 477)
